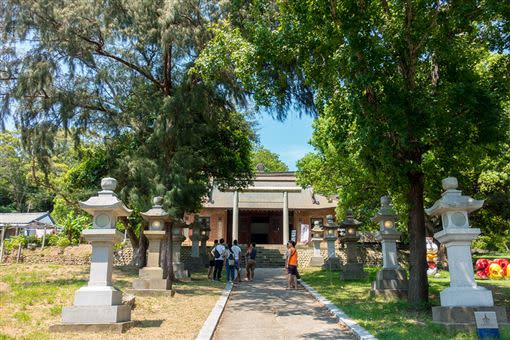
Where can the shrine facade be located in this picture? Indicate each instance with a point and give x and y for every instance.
(272, 210)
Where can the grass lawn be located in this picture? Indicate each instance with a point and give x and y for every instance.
(32, 297)
(395, 319)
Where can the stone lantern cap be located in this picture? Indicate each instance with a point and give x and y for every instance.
(106, 199)
(386, 212)
(156, 212)
(330, 222)
(350, 221)
(331, 228)
(317, 227)
(452, 200)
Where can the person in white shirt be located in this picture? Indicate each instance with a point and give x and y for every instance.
(237, 251)
(219, 256)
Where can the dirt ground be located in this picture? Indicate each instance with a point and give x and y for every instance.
(32, 297)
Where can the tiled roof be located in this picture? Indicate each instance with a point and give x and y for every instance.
(21, 218)
(270, 196)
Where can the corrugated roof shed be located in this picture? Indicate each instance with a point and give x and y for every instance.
(23, 219)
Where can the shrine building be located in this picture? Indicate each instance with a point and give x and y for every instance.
(272, 210)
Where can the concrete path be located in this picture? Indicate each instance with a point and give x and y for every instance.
(264, 309)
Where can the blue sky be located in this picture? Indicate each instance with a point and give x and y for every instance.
(289, 139)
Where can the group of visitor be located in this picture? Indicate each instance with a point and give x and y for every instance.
(230, 254)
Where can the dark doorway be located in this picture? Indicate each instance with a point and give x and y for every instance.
(259, 229)
(259, 226)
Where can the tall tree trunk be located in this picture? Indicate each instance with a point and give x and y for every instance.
(163, 260)
(141, 254)
(170, 268)
(130, 228)
(418, 282)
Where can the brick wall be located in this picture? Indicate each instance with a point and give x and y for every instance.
(305, 217)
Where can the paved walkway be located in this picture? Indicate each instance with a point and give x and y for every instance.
(264, 309)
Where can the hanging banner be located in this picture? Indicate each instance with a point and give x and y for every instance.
(305, 233)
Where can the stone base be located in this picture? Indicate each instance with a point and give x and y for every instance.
(352, 271)
(196, 264)
(180, 272)
(332, 263)
(150, 278)
(96, 314)
(157, 284)
(97, 296)
(389, 293)
(316, 261)
(119, 327)
(463, 318)
(151, 292)
(466, 296)
(390, 283)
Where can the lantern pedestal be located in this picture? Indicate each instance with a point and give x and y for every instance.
(391, 281)
(195, 262)
(316, 260)
(332, 262)
(151, 276)
(99, 302)
(352, 270)
(463, 297)
(180, 271)
(463, 290)
(203, 253)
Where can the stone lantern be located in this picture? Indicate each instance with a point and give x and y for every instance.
(151, 276)
(205, 231)
(99, 303)
(180, 272)
(463, 297)
(391, 281)
(195, 262)
(352, 270)
(317, 235)
(330, 236)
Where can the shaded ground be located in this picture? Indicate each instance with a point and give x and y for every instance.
(264, 309)
(32, 297)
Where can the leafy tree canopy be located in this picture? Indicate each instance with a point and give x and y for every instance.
(122, 70)
(404, 86)
(270, 160)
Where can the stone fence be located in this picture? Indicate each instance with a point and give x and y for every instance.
(370, 254)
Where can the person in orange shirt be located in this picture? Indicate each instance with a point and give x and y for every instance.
(291, 263)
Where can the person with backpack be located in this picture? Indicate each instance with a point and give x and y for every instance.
(218, 252)
(231, 264)
(237, 252)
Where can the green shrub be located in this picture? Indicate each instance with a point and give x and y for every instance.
(12, 243)
(51, 240)
(34, 239)
(63, 241)
(73, 225)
